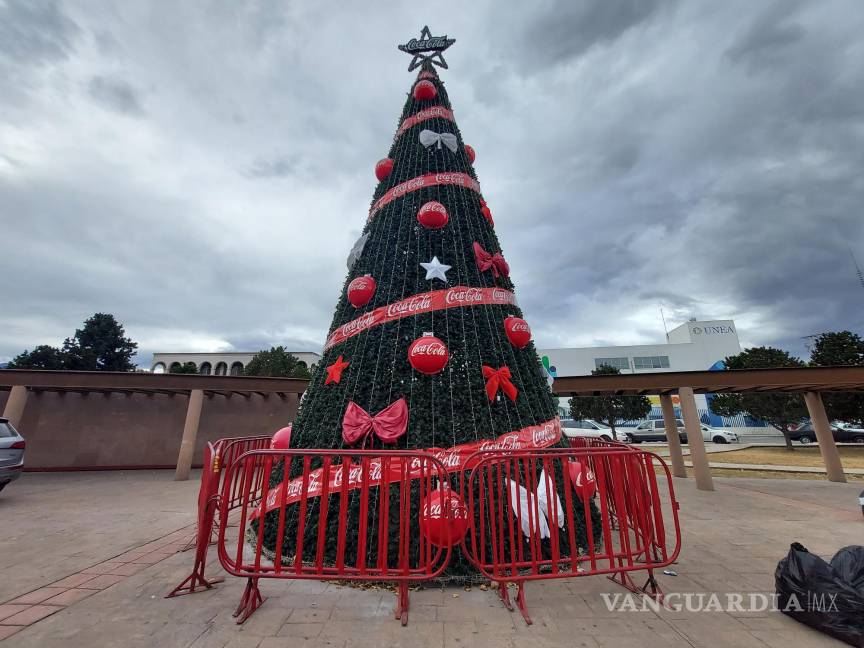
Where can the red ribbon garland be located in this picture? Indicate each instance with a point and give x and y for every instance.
(388, 425)
(421, 182)
(423, 115)
(421, 303)
(485, 261)
(499, 379)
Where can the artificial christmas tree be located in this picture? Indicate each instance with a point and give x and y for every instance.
(427, 337)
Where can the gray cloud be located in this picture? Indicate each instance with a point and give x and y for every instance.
(115, 94)
(702, 158)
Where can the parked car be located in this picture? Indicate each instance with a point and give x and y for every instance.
(587, 428)
(653, 430)
(718, 435)
(11, 453)
(805, 434)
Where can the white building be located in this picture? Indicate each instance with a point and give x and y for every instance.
(219, 364)
(693, 346)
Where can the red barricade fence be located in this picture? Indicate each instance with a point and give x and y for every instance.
(216, 456)
(369, 496)
(355, 515)
(531, 516)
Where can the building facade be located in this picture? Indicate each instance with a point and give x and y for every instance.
(219, 364)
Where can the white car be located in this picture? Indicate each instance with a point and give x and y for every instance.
(718, 435)
(587, 428)
(655, 430)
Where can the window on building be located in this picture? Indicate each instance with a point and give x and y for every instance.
(237, 369)
(205, 369)
(622, 364)
(651, 362)
(221, 369)
(175, 367)
(159, 367)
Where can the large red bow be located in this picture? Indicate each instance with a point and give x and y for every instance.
(494, 261)
(499, 378)
(388, 424)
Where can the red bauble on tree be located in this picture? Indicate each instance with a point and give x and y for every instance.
(428, 354)
(282, 439)
(361, 290)
(469, 151)
(517, 331)
(433, 215)
(384, 168)
(444, 518)
(487, 213)
(425, 90)
(582, 478)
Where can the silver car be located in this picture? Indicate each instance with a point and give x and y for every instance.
(11, 453)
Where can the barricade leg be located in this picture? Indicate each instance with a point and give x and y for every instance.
(250, 601)
(520, 602)
(504, 594)
(402, 603)
(650, 588)
(196, 581)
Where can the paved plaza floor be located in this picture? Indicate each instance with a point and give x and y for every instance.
(86, 559)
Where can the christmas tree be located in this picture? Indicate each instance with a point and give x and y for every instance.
(427, 329)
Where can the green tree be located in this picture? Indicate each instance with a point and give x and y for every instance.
(185, 368)
(608, 409)
(778, 409)
(276, 362)
(841, 349)
(100, 345)
(41, 357)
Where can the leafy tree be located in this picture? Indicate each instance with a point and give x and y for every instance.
(41, 357)
(276, 362)
(100, 345)
(842, 348)
(778, 409)
(185, 368)
(607, 409)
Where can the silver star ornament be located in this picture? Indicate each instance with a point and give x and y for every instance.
(436, 270)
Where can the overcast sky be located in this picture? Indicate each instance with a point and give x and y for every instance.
(201, 169)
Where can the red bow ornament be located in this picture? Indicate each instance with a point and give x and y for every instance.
(388, 425)
(495, 261)
(499, 379)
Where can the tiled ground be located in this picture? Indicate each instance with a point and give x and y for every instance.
(733, 539)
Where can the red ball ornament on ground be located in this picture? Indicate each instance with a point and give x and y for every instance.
(582, 478)
(361, 290)
(383, 169)
(282, 439)
(518, 331)
(444, 518)
(425, 90)
(433, 215)
(469, 150)
(428, 354)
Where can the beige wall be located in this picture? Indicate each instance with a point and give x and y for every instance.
(71, 430)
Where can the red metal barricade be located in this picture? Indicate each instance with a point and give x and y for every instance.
(531, 519)
(222, 453)
(377, 506)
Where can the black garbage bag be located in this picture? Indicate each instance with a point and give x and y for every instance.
(827, 597)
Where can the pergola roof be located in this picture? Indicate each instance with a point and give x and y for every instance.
(146, 382)
(792, 379)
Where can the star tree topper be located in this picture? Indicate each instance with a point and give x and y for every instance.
(436, 270)
(427, 43)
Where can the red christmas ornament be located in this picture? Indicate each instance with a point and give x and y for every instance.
(282, 439)
(444, 518)
(428, 354)
(471, 154)
(334, 371)
(433, 215)
(487, 213)
(361, 290)
(383, 168)
(517, 331)
(582, 478)
(425, 90)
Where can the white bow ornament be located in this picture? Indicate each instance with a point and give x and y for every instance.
(428, 138)
(535, 523)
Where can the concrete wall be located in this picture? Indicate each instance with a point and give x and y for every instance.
(71, 430)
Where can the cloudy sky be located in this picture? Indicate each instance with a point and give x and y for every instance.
(201, 169)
